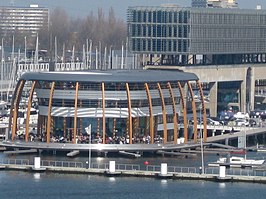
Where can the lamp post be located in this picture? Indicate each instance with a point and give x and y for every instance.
(201, 145)
(88, 131)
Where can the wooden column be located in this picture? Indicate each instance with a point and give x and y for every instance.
(103, 111)
(184, 110)
(49, 113)
(75, 114)
(28, 110)
(151, 112)
(174, 113)
(164, 114)
(15, 109)
(194, 110)
(203, 112)
(129, 114)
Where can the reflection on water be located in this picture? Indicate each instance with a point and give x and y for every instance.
(111, 179)
(37, 176)
(222, 185)
(26, 185)
(164, 183)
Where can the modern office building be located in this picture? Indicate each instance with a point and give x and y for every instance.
(198, 35)
(27, 20)
(224, 47)
(116, 104)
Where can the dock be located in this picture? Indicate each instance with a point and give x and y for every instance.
(139, 173)
(176, 153)
(73, 153)
(23, 151)
(2, 148)
(130, 154)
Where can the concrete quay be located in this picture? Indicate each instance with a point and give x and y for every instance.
(137, 173)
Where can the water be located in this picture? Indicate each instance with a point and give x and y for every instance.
(24, 185)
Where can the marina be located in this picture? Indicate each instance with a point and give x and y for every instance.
(170, 104)
(134, 170)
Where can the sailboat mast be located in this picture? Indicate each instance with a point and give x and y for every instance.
(55, 50)
(245, 143)
(90, 53)
(2, 68)
(25, 52)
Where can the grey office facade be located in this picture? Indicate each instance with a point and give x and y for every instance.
(224, 47)
(198, 35)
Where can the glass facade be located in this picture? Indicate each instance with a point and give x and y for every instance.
(184, 35)
(113, 109)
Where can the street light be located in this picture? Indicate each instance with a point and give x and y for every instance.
(201, 144)
(88, 131)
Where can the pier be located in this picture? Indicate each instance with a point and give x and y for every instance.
(131, 170)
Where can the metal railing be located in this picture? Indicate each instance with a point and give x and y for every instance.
(15, 161)
(136, 167)
(51, 163)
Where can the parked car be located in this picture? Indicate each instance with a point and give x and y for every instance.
(241, 122)
(258, 114)
(241, 115)
(211, 121)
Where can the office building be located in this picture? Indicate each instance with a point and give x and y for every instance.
(214, 4)
(26, 20)
(222, 46)
(198, 35)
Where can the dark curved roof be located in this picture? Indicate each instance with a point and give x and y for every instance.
(111, 76)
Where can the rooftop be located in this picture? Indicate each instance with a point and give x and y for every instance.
(112, 76)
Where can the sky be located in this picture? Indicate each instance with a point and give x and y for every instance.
(82, 8)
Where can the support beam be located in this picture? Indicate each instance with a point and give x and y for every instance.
(75, 114)
(194, 110)
(28, 111)
(174, 112)
(103, 112)
(184, 110)
(151, 112)
(164, 114)
(15, 109)
(129, 114)
(203, 112)
(49, 113)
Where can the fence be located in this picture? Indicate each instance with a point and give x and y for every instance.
(136, 167)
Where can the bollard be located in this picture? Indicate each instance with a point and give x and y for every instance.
(112, 171)
(222, 171)
(37, 165)
(111, 166)
(222, 175)
(37, 162)
(164, 172)
(164, 169)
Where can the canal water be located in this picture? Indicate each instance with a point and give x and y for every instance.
(26, 185)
